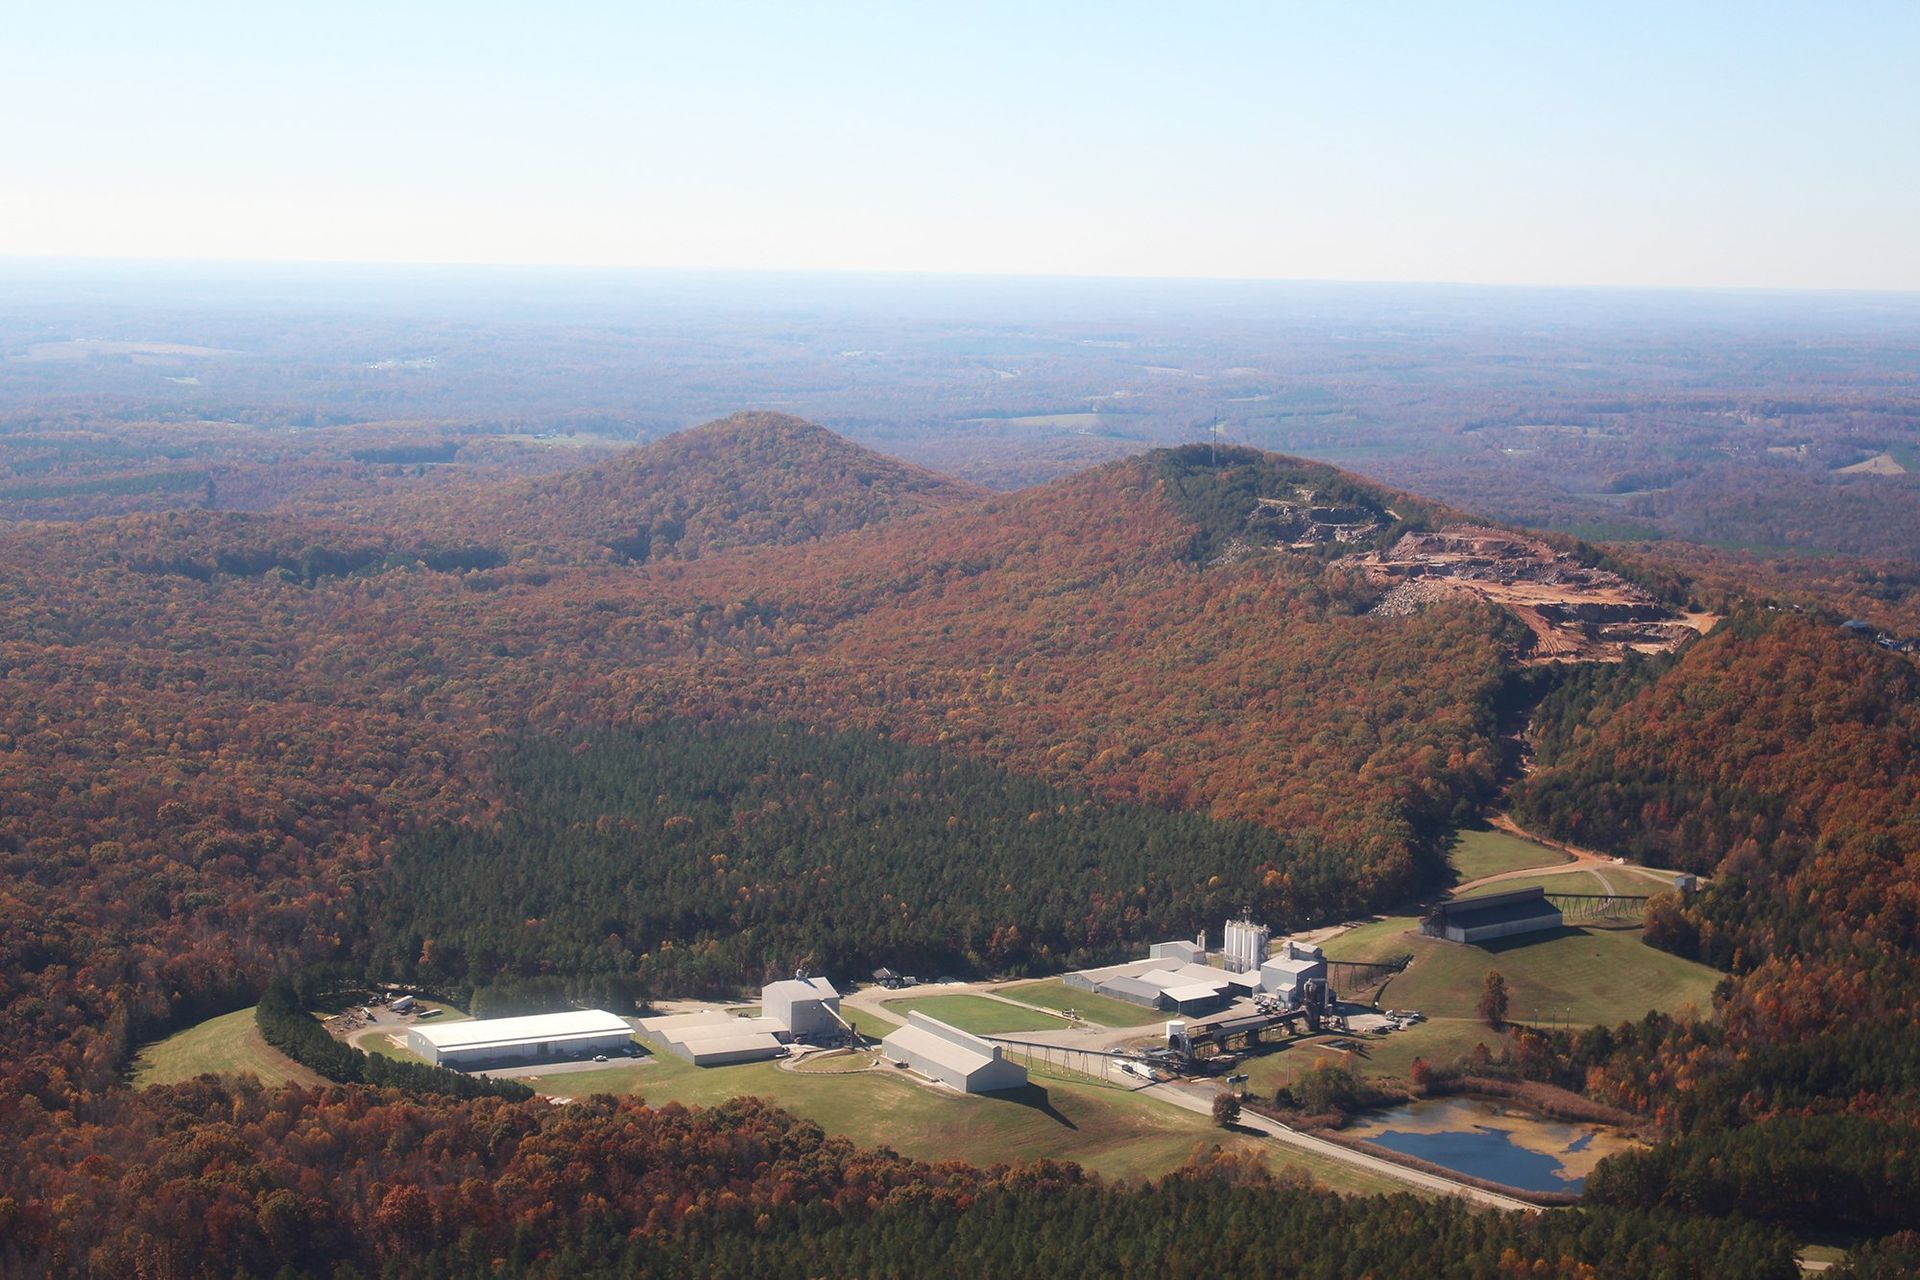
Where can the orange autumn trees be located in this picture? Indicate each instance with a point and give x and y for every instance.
(218, 726)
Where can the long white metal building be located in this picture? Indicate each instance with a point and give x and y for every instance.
(497, 1041)
(952, 1056)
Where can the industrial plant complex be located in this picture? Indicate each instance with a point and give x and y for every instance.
(1176, 978)
(1216, 1007)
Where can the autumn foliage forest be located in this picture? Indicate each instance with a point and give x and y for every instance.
(755, 697)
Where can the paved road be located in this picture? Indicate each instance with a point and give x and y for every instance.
(1200, 1098)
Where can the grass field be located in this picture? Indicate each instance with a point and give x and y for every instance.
(1379, 940)
(1485, 851)
(1583, 976)
(869, 1023)
(1586, 878)
(1103, 1010)
(227, 1045)
(1575, 880)
(1436, 1040)
(1113, 1132)
(977, 1014)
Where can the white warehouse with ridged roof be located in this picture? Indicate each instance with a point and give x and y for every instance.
(488, 1041)
(952, 1056)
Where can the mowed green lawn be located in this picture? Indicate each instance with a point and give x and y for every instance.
(1377, 941)
(1582, 976)
(981, 1016)
(227, 1045)
(869, 1022)
(1586, 878)
(1574, 880)
(1108, 1012)
(1114, 1132)
(1486, 851)
(1579, 975)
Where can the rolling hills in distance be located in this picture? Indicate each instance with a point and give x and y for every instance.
(764, 698)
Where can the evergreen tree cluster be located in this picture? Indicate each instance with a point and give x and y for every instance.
(707, 857)
(287, 1026)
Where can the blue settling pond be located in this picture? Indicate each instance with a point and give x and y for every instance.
(1491, 1140)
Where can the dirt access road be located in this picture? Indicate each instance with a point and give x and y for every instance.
(1614, 877)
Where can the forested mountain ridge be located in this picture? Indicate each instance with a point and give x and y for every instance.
(1781, 754)
(212, 753)
(226, 737)
(746, 480)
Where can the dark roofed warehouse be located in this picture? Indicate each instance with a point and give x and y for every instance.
(1498, 915)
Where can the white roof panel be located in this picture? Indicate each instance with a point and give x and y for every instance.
(701, 1032)
(667, 1021)
(575, 1024)
(799, 989)
(943, 1051)
(752, 1042)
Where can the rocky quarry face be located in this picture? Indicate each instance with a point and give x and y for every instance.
(1575, 613)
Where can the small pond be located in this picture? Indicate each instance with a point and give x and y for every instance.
(1486, 1138)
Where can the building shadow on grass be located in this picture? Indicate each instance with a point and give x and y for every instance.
(1521, 941)
(1035, 1097)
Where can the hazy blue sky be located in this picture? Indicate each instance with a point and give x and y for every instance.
(1745, 144)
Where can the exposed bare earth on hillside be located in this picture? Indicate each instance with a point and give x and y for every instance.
(1576, 613)
(1881, 464)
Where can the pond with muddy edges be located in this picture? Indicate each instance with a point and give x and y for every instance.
(1494, 1140)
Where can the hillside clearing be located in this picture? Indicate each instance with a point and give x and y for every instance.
(228, 1045)
(1487, 851)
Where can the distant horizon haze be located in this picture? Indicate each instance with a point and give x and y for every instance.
(1768, 146)
(187, 266)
